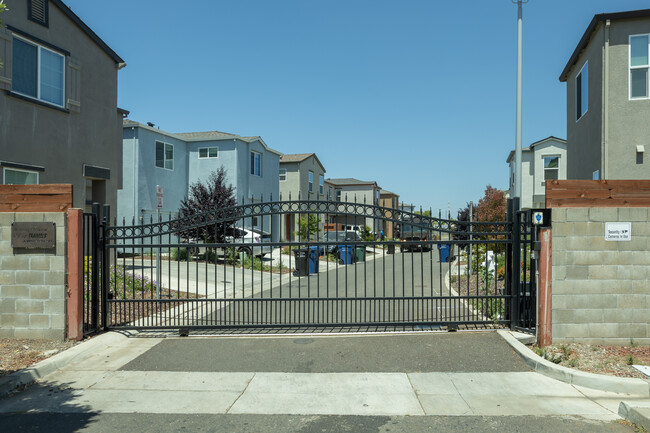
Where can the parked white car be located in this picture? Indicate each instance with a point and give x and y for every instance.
(249, 241)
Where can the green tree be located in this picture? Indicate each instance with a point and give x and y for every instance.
(366, 234)
(307, 227)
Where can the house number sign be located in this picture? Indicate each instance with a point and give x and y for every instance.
(33, 235)
(618, 231)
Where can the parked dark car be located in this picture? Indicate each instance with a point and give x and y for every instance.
(341, 238)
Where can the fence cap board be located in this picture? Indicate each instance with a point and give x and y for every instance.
(597, 193)
(35, 198)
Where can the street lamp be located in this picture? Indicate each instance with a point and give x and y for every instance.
(518, 131)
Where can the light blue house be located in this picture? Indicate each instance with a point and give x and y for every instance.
(167, 163)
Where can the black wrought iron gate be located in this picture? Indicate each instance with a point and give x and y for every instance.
(242, 267)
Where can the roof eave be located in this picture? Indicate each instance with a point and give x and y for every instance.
(66, 10)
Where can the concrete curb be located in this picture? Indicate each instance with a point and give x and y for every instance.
(623, 385)
(81, 351)
(639, 415)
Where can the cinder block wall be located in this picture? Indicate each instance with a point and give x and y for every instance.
(32, 283)
(600, 288)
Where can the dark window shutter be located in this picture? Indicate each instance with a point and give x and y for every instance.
(38, 11)
(5, 58)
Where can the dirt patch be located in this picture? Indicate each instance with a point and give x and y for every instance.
(17, 354)
(609, 360)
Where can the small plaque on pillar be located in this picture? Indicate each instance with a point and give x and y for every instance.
(33, 235)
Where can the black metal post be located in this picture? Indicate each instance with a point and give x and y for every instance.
(515, 285)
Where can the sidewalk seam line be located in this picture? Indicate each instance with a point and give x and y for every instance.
(417, 396)
(242, 393)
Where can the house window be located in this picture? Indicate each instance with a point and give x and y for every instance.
(639, 62)
(37, 72)
(164, 155)
(20, 177)
(551, 167)
(256, 164)
(582, 91)
(338, 195)
(283, 174)
(311, 181)
(208, 152)
(321, 185)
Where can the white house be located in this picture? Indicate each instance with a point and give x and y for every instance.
(543, 160)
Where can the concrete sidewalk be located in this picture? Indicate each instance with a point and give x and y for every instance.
(113, 373)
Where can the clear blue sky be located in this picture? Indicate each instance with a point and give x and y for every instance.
(418, 95)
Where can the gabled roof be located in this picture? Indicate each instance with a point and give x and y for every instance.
(189, 137)
(349, 181)
(384, 192)
(599, 18)
(511, 155)
(66, 10)
(300, 157)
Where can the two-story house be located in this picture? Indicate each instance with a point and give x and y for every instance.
(541, 161)
(302, 177)
(59, 120)
(168, 163)
(356, 191)
(389, 200)
(608, 98)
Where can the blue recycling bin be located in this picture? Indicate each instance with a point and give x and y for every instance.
(314, 252)
(346, 254)
(443, 249)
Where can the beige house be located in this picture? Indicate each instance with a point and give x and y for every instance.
(59, 120)
(608, 99)
(389, 200)
(302, 177)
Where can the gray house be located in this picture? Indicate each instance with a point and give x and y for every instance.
(608, 98)
(302, 177)
(357, 191)
(541, 161)
(59, 121)
(161, 162)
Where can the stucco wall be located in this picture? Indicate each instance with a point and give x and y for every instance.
(628, 119)
(32, 283)
(584, 135)
(63, 141)
(600, 288)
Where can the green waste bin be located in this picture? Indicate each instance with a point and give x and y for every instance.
(360, 253)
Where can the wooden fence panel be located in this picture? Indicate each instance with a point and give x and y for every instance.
(35, 198)
(597, 193)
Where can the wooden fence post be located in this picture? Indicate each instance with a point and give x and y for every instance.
(544, 311)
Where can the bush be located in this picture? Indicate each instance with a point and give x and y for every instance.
(179, 254)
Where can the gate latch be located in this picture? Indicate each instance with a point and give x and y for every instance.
(537, 247)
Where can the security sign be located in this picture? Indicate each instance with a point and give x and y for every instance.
(541, 217)
(618, 231)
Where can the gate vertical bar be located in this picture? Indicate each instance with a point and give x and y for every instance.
(104, 259)
(95, 291)
(515, 285)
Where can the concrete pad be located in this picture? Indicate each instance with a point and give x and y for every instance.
(512, 385)
(486, 405)
(76, 379)
(170, 381)
(329, 393)
(444, 405)
(114, 357)
(433, 383)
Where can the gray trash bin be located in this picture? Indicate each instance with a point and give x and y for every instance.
(302, 262)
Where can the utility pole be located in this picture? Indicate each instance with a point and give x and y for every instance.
(519, 105)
